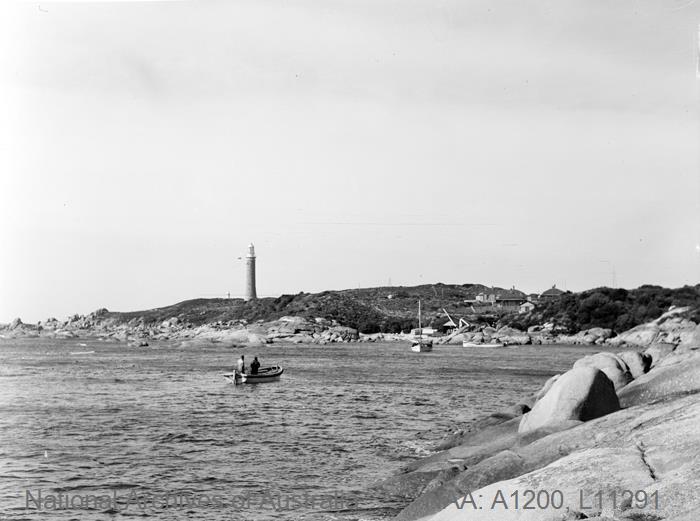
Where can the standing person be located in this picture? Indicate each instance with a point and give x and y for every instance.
(240, 365)
(254, 366)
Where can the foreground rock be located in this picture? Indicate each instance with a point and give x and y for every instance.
(582, 394)
(624, 429)
(637, 363)
(638, 454)
(676, 375)
(649, 444)
(611, 364)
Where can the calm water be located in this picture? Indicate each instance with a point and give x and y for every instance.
(142, 422)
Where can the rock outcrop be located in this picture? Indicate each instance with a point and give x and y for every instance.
(617, 432)
(641, 436)
(676, 375)
(637, 363)
(658, 351)
(581, 394)
(293, 330)
(612, 365)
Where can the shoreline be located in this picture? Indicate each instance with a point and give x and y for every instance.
(673, 327)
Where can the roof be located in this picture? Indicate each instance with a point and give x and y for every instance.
(511, 294)
(552, 292)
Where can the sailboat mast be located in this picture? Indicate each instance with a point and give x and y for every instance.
(419, 323)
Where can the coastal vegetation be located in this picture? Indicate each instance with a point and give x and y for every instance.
(392, 309)
(616, 309)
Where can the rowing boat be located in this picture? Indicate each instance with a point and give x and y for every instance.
(264, 375)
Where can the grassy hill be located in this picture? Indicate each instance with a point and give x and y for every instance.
(392, 309)
(389, 309)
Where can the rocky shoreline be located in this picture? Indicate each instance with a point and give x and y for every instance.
(613, 423)
(98, 325)
(673, 327)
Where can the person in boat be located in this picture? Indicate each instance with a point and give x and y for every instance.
(240, 365)
(254, 366)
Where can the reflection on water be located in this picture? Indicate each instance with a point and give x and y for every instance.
(155, 420)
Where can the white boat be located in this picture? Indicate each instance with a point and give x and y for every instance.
(421, 346)
(421, 342)
(466, 343)
(264, 375)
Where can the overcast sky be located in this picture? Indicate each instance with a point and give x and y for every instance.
(526, 143)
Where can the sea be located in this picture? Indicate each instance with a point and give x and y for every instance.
(92, 430)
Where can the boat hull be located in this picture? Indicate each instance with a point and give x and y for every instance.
(264, 375)
(490, 344)
(421, 347)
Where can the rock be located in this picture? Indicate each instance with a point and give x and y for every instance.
(458, 338)
(658, 351)
(16, 323)
(677, 374)
(588, 336)
(691, 342)
(484, 428)
(583, 393)
(642, 335)
(628, 449)
(596, 334)
(519, 409)
(478, 338)
(569, 475)
(512, 336)
(612, 365)
(546, 387)
(675, 329)
(346, 333)
(488, 331)
(637, 363)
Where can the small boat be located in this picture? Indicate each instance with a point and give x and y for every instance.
(264, 374)
(421, 346)
(466, 343)
(421, 342)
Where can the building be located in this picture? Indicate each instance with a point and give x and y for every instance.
(526, 307)
(511, 298)
(551, 294)
(533, 297)
(250, 293)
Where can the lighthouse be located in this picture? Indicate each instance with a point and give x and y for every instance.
(250, 293)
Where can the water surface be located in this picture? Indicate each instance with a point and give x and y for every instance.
(137, 422)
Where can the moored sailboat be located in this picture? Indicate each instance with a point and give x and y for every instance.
(421, 342)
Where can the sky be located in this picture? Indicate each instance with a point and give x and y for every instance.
(143, 145)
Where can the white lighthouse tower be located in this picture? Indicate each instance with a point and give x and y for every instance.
(250, 292)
